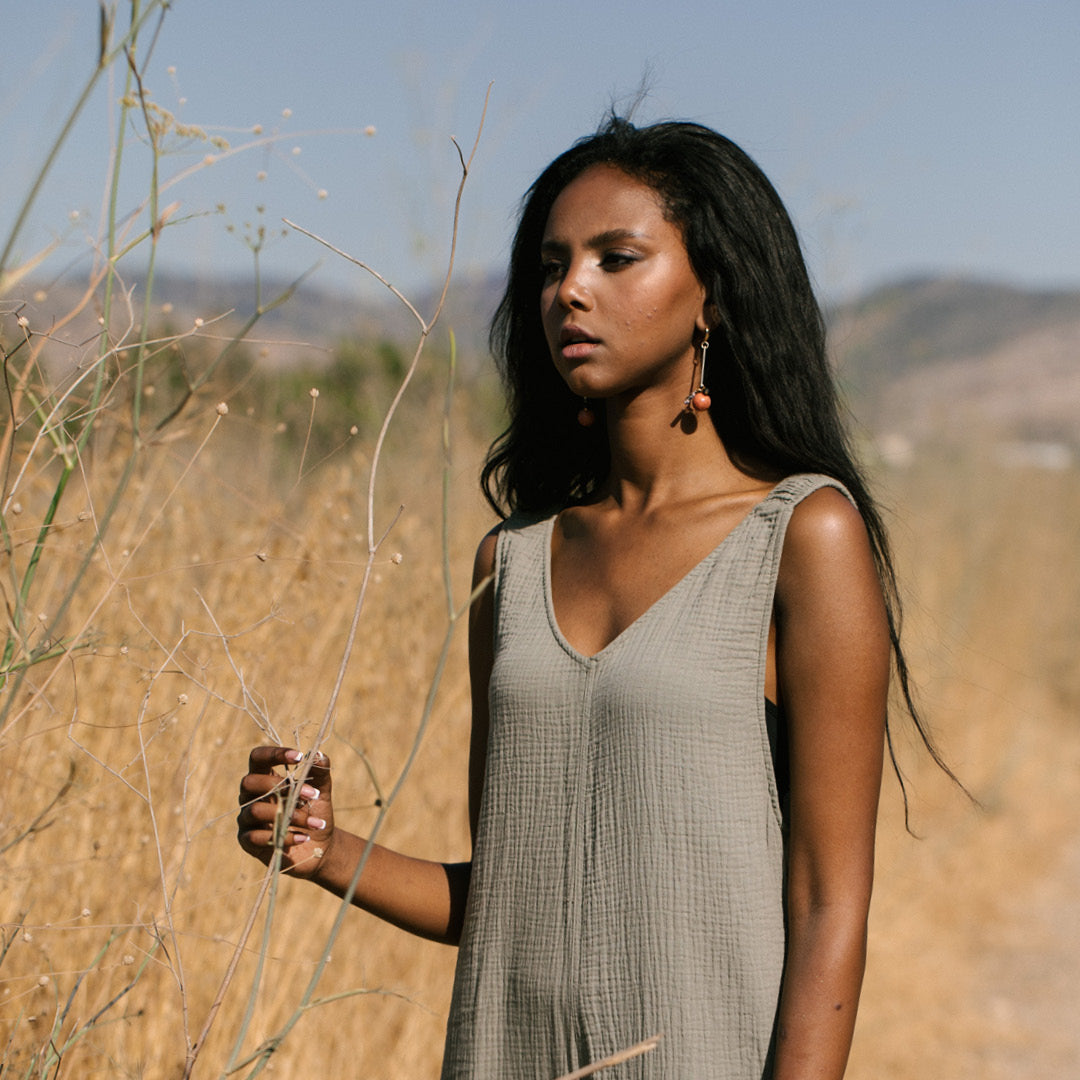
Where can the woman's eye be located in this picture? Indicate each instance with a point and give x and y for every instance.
(551, 269)
(616, 260)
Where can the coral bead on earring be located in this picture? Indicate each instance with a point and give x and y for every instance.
(586, 417)
(699, 400)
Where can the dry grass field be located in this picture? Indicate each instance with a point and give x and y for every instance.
(137, 940)
(218, 610)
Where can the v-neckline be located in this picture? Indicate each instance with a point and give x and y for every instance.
(675, 587)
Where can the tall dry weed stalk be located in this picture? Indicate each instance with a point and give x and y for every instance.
(165, 609)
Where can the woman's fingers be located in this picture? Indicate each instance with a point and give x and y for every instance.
(263, 814)
(261, 780)
(264, 759)
(261, 793)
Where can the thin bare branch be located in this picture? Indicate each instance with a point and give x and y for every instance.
(363, 266)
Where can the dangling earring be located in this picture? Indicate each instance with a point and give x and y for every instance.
(586, 417)
(699, 400)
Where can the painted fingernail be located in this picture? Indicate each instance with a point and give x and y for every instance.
(299, 838)
(315, 823)
(293, 756)
(308, 792)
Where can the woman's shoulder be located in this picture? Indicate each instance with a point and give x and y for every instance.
(484, 562)
(517, 523)
(825, 517)
(826, 546)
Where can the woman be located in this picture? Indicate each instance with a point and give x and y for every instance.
(680, 661)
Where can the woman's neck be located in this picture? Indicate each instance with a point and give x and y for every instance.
(658, 459)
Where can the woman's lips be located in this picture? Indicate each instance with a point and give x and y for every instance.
(578, 350)
(575, 343)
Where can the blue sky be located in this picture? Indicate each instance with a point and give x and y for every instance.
(933, 136)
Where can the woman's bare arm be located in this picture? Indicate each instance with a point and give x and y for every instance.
(424, 897)
(833, 669)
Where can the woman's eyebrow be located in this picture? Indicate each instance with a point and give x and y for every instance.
(603, 239)
(614, 236)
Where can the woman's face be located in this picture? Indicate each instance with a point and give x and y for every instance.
(621, 305)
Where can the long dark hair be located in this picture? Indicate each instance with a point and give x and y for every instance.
(775, 401)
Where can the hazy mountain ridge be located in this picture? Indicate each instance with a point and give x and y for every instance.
(923, 321)
(926, 359)
(953, 359)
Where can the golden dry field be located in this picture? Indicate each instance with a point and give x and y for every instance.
(218, 610)
(179, 578)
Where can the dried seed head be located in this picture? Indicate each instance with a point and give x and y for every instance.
(198, 322)
(261, 174)
(129, 960)
(397, 558)
(261, 556)
(257, 129)
(222, 409)
(314, 391)
(323, 193)
(43, 980)
(181, 699)
(286, 113)
(23, 321)
(353, 430)
(369, 130)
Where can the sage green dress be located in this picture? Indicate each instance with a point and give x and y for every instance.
(629, 862)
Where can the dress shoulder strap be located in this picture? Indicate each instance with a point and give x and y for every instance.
(793, 489)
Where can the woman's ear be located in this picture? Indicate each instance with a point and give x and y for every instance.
(710, 316)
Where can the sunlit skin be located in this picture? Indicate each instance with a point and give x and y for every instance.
(623, 316)
(623, 310)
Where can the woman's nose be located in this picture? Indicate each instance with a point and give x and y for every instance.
(573, 290)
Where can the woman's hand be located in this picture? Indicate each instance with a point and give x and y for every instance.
(264, 793)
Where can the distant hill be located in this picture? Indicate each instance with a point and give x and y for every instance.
(321, 318)
(950, 359)
(927, 359)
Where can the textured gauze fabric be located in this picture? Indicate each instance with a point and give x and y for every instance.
(628, 869)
